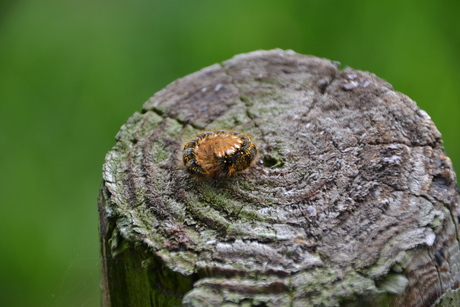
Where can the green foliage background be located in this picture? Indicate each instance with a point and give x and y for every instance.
(72, 72)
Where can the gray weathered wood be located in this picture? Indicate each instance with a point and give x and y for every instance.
(352, 200)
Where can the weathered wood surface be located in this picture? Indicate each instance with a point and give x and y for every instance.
(352, 200)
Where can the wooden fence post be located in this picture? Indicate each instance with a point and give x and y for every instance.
(351, 202)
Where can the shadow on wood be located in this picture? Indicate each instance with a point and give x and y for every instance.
(352, 200)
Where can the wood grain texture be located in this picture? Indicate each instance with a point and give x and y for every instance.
(352, 200)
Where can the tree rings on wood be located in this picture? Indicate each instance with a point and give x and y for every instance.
(351, 197)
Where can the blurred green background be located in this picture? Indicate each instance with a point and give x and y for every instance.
(72, 72)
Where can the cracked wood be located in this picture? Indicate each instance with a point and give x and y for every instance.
(352, 198)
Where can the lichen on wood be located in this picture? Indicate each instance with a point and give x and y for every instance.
(352, 199)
